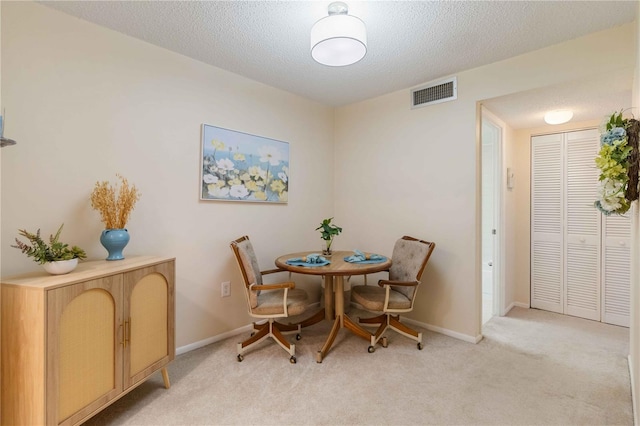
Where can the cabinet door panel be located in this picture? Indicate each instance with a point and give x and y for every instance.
(84, 360)
(149, 306)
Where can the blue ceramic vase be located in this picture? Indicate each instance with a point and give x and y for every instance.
(114, 240)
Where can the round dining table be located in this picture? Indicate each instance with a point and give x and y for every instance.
(334, 274)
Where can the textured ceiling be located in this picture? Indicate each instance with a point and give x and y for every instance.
(409, 42)
(588, 99)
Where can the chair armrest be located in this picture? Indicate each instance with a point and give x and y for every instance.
(366, 275)
(276, 286)
(272, 271)
(382, 283)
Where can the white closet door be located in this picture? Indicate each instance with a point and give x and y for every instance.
(616, 272)
(582, 241)
(547, 223)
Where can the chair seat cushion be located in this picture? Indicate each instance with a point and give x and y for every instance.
(371, 297)
(270, 302)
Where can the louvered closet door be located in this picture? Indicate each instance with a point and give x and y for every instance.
(616, 278)
(546, 223)
(582, 241)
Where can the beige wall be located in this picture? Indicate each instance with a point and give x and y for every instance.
(86, 103)
(0, 150)
(509, 221)
(421, 171)
(634, 350)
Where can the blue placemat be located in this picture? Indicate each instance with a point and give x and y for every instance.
(360, 257)
(310, 260)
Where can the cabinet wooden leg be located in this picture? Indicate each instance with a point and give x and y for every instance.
(165, 377)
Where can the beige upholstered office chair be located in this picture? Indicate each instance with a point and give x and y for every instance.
(267, 301)
(397, 294)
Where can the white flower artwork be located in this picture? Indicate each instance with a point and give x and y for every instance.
(237, 166)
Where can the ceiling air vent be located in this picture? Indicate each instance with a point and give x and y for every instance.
(435, 93)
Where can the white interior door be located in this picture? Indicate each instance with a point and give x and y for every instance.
(490, 197)
(580, 259)
(547, 225)
(616, 269)
(582, 239)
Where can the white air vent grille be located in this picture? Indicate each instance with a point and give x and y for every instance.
(433, 94)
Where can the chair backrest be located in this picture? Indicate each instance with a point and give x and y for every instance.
(248, 263)
(408, 260)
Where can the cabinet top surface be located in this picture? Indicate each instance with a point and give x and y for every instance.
(85, 271)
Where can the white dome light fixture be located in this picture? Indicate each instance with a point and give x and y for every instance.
(338, 39)
(558, 116)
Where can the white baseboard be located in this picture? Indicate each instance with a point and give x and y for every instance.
(446, 332)
(633, 391)
(509, 308)
(514, 305)
(192, 346)
(247, 328)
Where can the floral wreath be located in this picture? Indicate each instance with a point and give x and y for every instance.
(618, 164)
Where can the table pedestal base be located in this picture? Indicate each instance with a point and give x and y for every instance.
(333, 274)
(341, 320)
(314, 319)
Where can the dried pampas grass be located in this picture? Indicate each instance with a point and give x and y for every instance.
(114, 211)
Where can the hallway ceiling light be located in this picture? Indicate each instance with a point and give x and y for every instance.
(338, 39)
(558, 116)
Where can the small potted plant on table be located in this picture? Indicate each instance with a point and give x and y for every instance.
(327, 233)
(56, 257)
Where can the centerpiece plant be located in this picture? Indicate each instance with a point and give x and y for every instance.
(327, 232)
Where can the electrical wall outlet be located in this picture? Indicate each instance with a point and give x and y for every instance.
(226, 289)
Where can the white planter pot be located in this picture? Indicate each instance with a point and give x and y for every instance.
(61, 266)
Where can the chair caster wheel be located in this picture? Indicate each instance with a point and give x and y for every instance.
(298, 336)
(293, 360)
(240, 358)
(420, 346)
(384, 342)
(371, 349)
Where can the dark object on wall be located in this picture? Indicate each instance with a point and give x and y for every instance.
(4, 141)
(633, 129)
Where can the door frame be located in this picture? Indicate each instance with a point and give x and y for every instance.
(499, 212)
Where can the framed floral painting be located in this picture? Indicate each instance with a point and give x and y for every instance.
(238, 166)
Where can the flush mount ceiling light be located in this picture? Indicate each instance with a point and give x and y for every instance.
(558, 116)
(338, 39)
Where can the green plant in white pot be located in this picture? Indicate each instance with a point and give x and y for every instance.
(327, 233)
(55, 257)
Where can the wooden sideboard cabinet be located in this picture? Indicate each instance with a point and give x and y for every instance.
(73, 344)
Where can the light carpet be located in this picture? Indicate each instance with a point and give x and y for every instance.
(532, 368)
